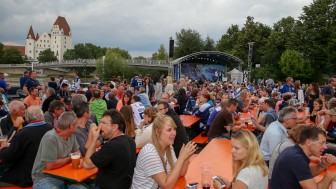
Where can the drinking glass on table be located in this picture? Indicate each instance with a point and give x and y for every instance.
(75, 160)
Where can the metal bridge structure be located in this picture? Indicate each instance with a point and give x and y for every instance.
(139, 63)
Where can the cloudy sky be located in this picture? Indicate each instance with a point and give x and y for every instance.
(139, 26)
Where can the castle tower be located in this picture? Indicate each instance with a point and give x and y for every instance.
(30, 44)
(61, 37)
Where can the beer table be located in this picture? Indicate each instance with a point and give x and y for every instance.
(71, 175)
(188, 121)
(218, 155)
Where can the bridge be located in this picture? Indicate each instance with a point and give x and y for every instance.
(139, 63)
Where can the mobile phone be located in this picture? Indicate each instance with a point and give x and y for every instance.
(192, 185)
(216, 178)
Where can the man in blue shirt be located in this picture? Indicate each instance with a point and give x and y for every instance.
(23, 79)
(288, 87)
(292, 169)
(32, 82)
(3, 84)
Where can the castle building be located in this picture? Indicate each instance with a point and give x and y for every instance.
(58, 41)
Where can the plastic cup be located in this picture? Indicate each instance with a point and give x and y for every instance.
(75, 160)
(206, 175)
(3, 138)
(333, 185)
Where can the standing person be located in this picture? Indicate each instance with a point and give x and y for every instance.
(277, 131)
(23, 79)
(3, 84)
(288, 87)
(116, 158)
(32, 82)
(292, 169)
(169, 87)
(98, 105)
(329, 89)
(138, 109)
(149, 88)
(33, 98)
(182, 99)
(20, 154)
(52, 83)
(112, 100)
(76, 81)
(249, 168)
(157, 165)
(157, 88)
(181, 135)
(54, 151)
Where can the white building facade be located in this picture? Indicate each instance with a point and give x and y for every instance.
(58, 41)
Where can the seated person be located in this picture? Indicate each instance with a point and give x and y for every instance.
(14, 120)
(21, 152)
(143, 135)
(223, 124)
(201, 110)
(98, 105)
(157, 165)
(54, 151)
(84, 124)
(292, 169)
(51, 116)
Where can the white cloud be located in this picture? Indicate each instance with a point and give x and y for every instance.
(138, 25)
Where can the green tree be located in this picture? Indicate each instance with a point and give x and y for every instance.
(2, 50)
(70, 54)
(83, 51)
(11, 56)
(318, 28)
(209, 44)
(47, 56)
(188, 41)
(114, 65)
(161, 54)
(228, 40)
(123, 53)
(292, 64)
(139, 58)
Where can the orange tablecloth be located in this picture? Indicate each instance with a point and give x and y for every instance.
(68, 173)
(218, 154)
(189, 120)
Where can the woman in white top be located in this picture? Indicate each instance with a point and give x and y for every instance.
(169, 87)
(156, 164)
(143, 134)
(248, 166)
(157, 88)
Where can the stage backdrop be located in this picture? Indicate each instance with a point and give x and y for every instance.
(201, 71)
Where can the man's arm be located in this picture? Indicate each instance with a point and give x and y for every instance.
(94, 131)
(58, 163)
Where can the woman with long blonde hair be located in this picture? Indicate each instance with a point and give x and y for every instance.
(156, 164)
(169, 86)
(248, 166)
(127, 113)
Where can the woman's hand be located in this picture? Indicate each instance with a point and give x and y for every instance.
(187, 150)
(217, 185)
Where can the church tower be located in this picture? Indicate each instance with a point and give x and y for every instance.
(30, 44)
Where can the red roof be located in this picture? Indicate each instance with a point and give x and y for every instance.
(31, 33)
(21, 49)
(63, 24)
(37, 36)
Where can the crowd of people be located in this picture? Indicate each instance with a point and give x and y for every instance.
(106, 122)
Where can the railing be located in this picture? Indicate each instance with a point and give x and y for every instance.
(89, 63)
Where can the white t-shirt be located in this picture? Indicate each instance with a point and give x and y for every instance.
(253, 178)
(138, 113)
(148, 164)
(143, 136)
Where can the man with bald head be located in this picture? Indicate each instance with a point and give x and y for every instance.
(20, 155)
(14, 120)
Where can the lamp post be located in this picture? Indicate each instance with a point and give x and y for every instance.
(85, 69)
(103, 68)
